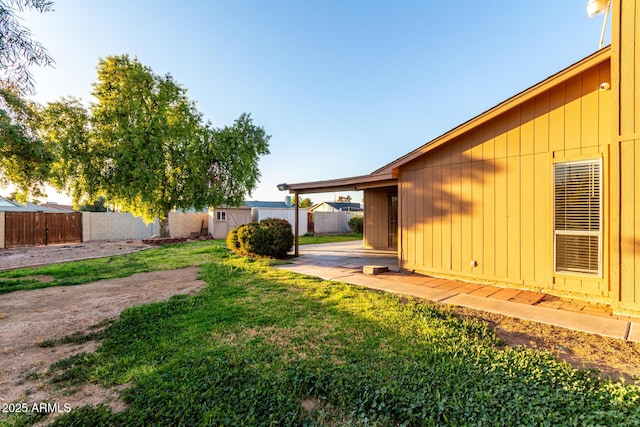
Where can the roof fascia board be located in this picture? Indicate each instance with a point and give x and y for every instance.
(344, 184)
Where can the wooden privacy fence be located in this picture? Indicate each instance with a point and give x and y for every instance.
(41, 228)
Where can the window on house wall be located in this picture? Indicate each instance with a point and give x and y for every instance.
(221, 216)
(578, 217)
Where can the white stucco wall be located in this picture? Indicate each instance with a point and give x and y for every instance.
(116, 226)
(184, 224)
(332, 222)
(125, 226)
(258, 214)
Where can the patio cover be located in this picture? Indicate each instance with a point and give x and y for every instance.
(354, 183)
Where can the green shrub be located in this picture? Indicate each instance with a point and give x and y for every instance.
(356, 224)
(271, 238)
(279, 236)
(232, 240)
(250, 239)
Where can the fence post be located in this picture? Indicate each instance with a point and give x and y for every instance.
(297, 222)
(2, 238)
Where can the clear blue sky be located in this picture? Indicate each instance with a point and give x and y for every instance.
(344, 87)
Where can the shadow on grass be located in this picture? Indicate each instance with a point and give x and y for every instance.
(260, 346)
(167, 257)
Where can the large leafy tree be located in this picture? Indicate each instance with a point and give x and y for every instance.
(144, 145)
(65, 129)
(306, 203)
(24, 161)
(18, 50)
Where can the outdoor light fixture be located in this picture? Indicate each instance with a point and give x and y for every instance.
(596, 8)
(283, 187)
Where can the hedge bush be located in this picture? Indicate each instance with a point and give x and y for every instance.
(251, 240)
(356, 224)
(271, 238)
(232, 240)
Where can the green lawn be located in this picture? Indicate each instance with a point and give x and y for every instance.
(168, 257)
(347, 237)
(259, 346)
(78, 272)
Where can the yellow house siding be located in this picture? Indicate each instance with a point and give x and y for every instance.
(456, 216)
(489, 218)
(438, 212)
(416, 253)
(528, 240)
(624, 223)
(629, 74)
(419, 206)
(477, 212)
(467, 215)
(408, 238)
(630, 223)
(543, 203)
(629, 245)
(512, 220)
(482, 203)
(501, 229)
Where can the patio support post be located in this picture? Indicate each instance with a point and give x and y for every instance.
(297, 226)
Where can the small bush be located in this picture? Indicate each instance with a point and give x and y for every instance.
(232, 240)
(356, 224)
(280, 235)
(271, 238)
(251, 239)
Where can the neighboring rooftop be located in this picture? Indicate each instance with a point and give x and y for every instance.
(341, 206)
(50, 207)
(271, 205)
(10, 206)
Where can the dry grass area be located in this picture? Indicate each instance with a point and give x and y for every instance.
(30, 318)
(44, 255)
(614, 358)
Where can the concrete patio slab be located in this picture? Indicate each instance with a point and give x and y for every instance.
(567, 319)
(343, 262)
(431, 294)
(634, 331)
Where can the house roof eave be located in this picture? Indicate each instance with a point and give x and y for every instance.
(354, 183)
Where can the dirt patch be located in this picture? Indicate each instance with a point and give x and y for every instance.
(29, 318)
(42, 255)
(614, 358)
(45, 315)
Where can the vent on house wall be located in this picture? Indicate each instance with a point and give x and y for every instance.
(578, 217)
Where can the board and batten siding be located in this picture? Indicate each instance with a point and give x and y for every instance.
(480, 207)
(625, 156)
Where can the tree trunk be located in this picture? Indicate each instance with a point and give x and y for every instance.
(164, 227)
